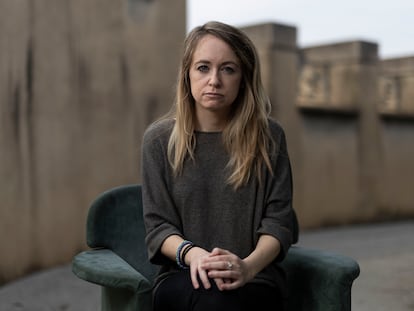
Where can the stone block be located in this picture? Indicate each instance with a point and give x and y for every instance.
(396, 87)
(272, 35)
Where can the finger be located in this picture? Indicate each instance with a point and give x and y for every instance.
(216, 251)
(219, 282)
(218, 259)
(194, 278)
(230, 285)
(204, 278)
(219, 251)
(221, 274)
(210, 265)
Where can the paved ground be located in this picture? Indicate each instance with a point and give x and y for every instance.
(385, 253)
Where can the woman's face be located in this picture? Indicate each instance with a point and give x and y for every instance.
(215, 77)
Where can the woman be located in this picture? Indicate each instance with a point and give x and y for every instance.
(217, 183)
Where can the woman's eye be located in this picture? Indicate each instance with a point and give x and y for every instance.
(228, 69)
(202, 68)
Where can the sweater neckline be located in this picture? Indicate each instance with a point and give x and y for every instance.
(208, 133)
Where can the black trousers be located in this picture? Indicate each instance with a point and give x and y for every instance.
(176, 293)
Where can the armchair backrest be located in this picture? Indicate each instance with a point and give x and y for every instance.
(115, 221)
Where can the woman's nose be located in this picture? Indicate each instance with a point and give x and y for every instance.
(214, 79)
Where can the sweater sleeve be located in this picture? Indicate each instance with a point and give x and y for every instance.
(160, 215)
(278, 212)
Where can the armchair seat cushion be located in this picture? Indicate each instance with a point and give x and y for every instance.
(106, 268)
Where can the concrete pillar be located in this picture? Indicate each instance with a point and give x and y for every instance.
(278, 52)
(337, 96)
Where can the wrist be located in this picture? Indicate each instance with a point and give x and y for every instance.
(185, 254)
(194, 251)
(181, 250)
(250, 267)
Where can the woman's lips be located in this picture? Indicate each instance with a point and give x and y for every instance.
(213, 95)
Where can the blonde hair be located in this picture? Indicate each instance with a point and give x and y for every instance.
(246, 136)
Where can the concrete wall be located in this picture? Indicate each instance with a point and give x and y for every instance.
(79, 80)
(349, 120)
(396, 129)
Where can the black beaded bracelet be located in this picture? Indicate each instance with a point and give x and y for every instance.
(185, 251)
(180, 263)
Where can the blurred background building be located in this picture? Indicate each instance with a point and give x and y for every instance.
(80, 81)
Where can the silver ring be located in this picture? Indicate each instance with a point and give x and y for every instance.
(229, 265)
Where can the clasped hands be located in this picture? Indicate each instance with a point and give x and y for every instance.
(226, 269)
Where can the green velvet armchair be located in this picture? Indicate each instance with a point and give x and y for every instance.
(117, 261)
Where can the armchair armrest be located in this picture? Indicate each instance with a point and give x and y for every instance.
(104, 267)
(319, 278)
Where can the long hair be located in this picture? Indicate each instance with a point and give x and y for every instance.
(246, 136)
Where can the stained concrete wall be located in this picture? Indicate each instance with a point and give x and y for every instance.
(396, 129)
(349, 121)
(79, 80)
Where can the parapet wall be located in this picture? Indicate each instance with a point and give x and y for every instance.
(396, 114)
(350, 126)
(396, 88)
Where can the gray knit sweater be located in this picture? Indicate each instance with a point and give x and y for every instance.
(201, 207)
